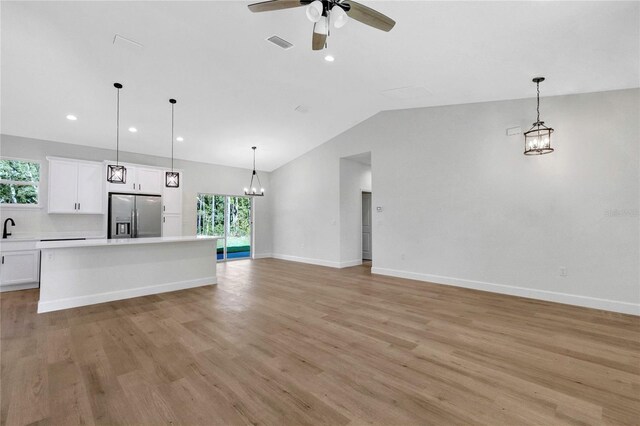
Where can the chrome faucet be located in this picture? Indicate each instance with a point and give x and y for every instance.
(5, 234)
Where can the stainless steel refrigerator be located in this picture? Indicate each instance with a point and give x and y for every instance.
(135, 216)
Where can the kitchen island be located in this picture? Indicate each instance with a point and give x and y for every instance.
(86, 272)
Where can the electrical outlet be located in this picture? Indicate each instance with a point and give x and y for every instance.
(50, 256)
(563, 271)
(402, 256)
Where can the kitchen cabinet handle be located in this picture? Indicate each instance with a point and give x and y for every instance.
(164, 208)
(75, 206)
(134, 185)
(78, 206)
(139, 187)
(164, 219)
(3, 260)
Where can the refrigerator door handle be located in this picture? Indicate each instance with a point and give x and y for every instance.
(137, 221)
(133, 224)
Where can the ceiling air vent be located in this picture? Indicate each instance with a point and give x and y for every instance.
(280, 42)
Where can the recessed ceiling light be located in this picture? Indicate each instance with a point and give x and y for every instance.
(329, 58)
(133, 129)
(72, 117)
(179, 138)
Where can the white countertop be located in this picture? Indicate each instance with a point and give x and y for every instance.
(48, 236)
(120, 242)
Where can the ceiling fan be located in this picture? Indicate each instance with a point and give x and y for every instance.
(323, 13)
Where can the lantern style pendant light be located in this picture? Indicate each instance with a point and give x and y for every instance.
(537, 140)
(252, 190)
(172, 179)
(115, 172)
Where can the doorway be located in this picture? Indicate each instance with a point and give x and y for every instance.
(230, 218)
(366, 227)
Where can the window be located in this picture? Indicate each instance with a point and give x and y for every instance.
(19, 182)
(228, 217)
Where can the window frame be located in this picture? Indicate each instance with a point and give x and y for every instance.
(225, 236)
(24, 183)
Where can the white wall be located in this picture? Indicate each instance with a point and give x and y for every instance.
(354, 178)
(197, 177)
(463, 206)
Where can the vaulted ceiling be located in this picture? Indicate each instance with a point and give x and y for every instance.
(235, 90)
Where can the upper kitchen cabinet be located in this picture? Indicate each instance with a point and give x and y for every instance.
(75, 186)
(140, 180)
(150, 180)
(172, 197)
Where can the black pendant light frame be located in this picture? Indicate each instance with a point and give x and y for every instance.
(115, 172)
(537, 140)
(172, 179)
(251, 191)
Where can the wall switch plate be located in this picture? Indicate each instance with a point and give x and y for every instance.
(563, 271)
(513, 131)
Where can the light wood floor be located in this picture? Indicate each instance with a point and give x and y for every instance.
(285, 343)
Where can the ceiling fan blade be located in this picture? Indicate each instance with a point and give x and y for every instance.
(268, 6)
(318, 40)
(368, 16)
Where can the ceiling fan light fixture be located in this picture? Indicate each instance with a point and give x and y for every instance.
(314, 11)
(338, 16)
(322, 26)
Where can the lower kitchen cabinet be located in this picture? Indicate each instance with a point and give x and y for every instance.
(19, 269)
(172, 225)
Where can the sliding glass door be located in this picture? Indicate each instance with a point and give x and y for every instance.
(228, 217)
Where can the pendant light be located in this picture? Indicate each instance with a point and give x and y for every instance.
(251, 190)
(115, 172)
(172, 179)
(537, 140)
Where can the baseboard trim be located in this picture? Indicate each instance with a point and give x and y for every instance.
(262, 255)
(14, 287)
(550, 296)
(74, 302)
(319, 262)
(349, 263)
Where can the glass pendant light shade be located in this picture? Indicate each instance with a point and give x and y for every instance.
(172, 179)
(314, 11)
(537, 140)
(322, 26)
(338, 16)
(115, 172)
(251, 190)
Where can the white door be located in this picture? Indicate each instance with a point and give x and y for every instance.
(172, 225)
(172, 199)
(90, 193)
(149, 181)
(19, 267)
(63, 182)
(366, 226)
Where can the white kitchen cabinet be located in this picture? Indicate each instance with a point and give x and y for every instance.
(19, 268)
(140, 180)
(75, 186)
(172, 199)
(172, 225)
(149, 181)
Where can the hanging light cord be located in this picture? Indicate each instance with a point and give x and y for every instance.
(172, 137)
(118, 127)
(538, 107)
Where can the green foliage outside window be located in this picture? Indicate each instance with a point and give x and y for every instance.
(19, 181)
